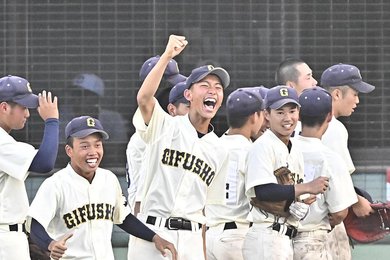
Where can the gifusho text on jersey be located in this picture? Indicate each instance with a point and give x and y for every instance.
(189, 162)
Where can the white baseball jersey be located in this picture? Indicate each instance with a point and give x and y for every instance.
(336, 138)
(319, 160)
(136, 161)
(183, 170)
(67, 203)
(267, 154)
(237, 204)
(15, 160)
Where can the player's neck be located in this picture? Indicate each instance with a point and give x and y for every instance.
(201, 124)
(312, 132)
(240, 131)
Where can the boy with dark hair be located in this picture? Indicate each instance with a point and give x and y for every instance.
(228, 224)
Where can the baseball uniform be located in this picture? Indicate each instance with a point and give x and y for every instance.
(135, 154)
(227, 224)
(184, 172)
(336, 138)
(319, 160)
(267, 154)
(67, 203)
(15, 160)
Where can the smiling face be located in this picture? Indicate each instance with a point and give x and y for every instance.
(86, 154)
(282, 121)
(205, 98)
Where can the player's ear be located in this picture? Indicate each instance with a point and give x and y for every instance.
(3, 106)
(188, 94)
(267, 114)
(290, 83)
(68, 150)
(337, 94)
(171, 109)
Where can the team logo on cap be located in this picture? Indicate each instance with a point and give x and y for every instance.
(28, 87)
(210, 67)
(283, 92)
(90, 122)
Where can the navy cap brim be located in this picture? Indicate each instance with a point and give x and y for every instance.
(219, 72)
(175, 79)
(29, 100)
(278, 104)
(181, 100)
(362, 87)
(86, 132)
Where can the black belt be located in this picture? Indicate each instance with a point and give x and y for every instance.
(230, 225)
(291, 231)
(173, 223)
(15, 228)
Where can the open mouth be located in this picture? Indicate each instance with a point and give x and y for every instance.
(210, 103)
(92, 162)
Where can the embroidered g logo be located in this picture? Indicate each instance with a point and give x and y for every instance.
(284, 92)
(90, 122)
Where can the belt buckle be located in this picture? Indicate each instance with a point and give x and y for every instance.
(179, 221)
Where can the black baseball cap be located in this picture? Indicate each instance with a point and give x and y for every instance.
(18, 90)
(200, 73)
(345, 74)
(176, 94)
(315, 102)
(83, 126)
(279, 96)
(244, 102)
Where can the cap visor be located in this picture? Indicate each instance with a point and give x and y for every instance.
(29, 100)
(223, 75)
(219, 72)
(175, 79)
(363, 87)
(86, 132)
(280, 103)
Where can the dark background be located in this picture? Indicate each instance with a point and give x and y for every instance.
(49, 42)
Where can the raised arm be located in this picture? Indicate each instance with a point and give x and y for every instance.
(145, 100)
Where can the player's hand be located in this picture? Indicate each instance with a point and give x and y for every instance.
(161, 245)
(58, 248)
(362, 208)
(175, 45)
(310, 199)
(319, 185)
(48, 107)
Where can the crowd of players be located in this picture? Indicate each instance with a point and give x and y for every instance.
(192, 194)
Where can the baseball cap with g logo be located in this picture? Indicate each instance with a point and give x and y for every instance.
(200, 73)
(279, 96)
(83, 126)
(18, 90)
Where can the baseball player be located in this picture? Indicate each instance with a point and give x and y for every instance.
(74, 210)
(137, 152)
(177, 105)
(136, 148)
(344, 82)
(331, 207)
(187, 164)
(17, 159)
(270, 236)
(227, 224)
(295, 73)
